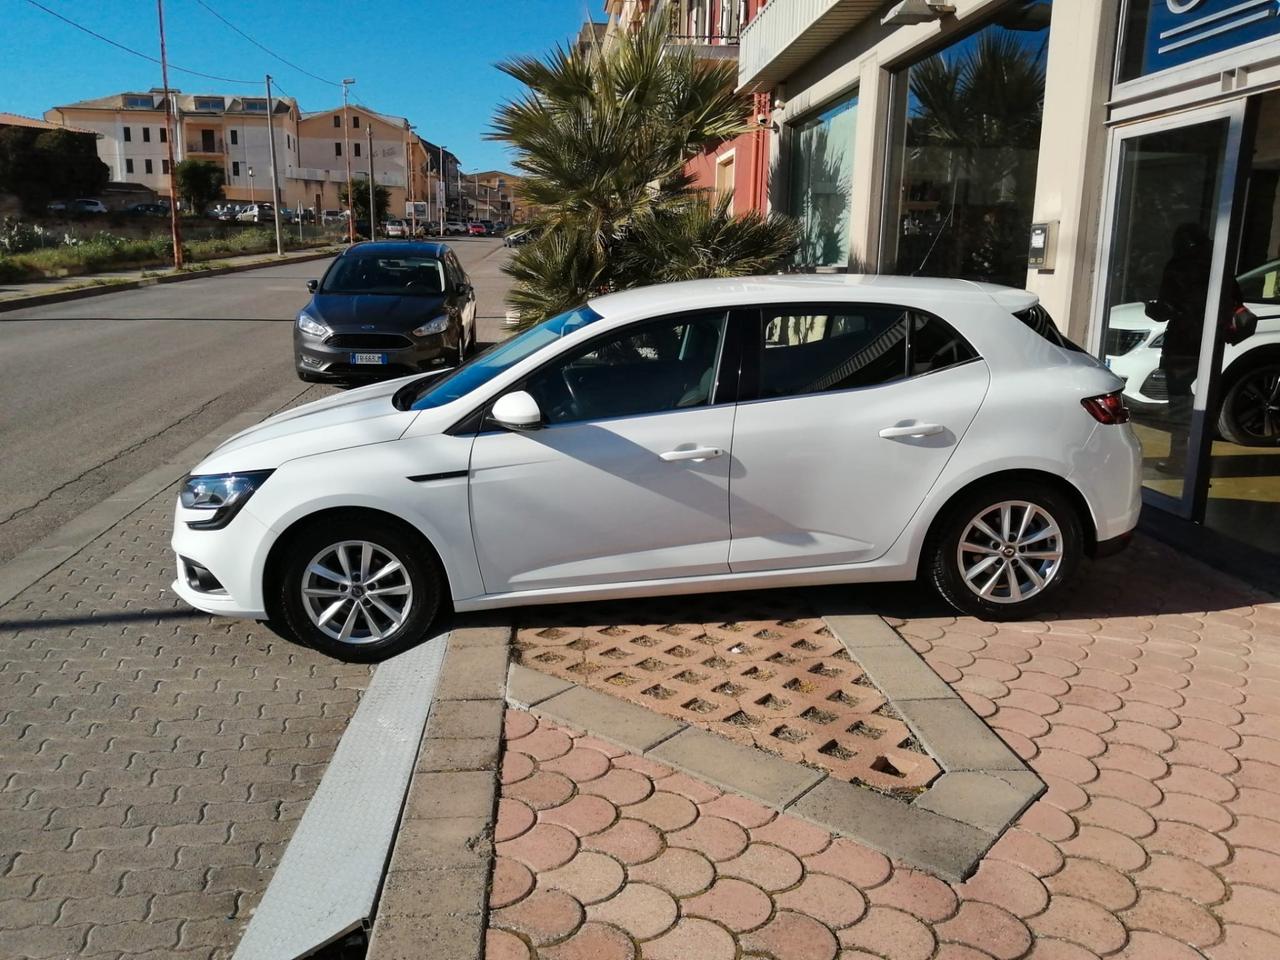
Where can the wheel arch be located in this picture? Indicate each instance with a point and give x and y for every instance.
(1059, 483)
(274, 566)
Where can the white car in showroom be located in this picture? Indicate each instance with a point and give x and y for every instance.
(1249, 404)
(707, 435)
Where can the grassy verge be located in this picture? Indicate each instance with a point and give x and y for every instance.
(107, 252)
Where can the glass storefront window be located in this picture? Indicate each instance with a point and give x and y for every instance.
(967, 143)
(821, 183)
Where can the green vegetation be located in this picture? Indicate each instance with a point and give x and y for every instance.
(42, 165)
(105, 251)
(360, 187)
(603, 139)
(199, 183)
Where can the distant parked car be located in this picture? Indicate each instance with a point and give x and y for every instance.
(333, 216)
(85, 205)
(454, 228)
(56, 206)
(398, 229)
(256, 213)
(476, 229)
(147, 210)
(519, 236)
(490, 229)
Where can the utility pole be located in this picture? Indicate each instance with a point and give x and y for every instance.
(275, 179)
(346, 150)
(443, 197)
(373, 210)
(175, 229)
(408, 167)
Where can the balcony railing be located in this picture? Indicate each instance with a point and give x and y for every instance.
(787, 33)
(200, 146)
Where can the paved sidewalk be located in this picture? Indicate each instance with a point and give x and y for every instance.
(153, 760)
(1152, 711)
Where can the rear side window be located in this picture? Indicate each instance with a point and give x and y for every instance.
(1038, 319)
(820, 348)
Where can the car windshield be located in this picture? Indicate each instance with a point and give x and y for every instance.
(385, 274)
(1261, 284)
(484, 367)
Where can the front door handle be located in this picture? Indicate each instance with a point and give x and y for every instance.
(912, 430)
(692, 453)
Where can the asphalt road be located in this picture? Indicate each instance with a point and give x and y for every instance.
(96, 392)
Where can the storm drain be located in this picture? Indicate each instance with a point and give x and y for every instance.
(325, 886)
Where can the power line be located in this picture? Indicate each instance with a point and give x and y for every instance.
(265, 48)
(137, 53)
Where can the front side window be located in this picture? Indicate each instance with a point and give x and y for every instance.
(379, 274)
(356, 148)
(235, 137)
(485, 366)
(337, 120)
(235, 168)
(814, 348)
(146, 134)
(966, 147)
(128, 166)
(651, 367)
(128, 135)
(337, 148)
(147, 165)
(822, 183)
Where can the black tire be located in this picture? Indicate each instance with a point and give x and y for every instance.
(1250, 411)
(421, 573)
(942, 556)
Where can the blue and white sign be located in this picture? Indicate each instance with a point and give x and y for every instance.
(1179, 31)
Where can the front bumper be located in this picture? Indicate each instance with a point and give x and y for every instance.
(235, 557)
(318, 359)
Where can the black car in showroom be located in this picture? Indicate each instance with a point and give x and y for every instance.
(386, 309)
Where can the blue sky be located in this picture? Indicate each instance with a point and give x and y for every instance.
(428, 60)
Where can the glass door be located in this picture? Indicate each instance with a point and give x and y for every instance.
(1160, 297)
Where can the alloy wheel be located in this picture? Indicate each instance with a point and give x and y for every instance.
(356, 592)
(1255, 405)
(1010, 551)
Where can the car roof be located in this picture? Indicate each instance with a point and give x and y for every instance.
(852, 287)
(406, 247)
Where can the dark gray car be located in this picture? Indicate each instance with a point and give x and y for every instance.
(385, 309)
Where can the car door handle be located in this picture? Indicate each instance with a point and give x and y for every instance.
(693, 453)
(912, 430)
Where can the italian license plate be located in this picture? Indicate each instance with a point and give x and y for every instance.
(368, 358)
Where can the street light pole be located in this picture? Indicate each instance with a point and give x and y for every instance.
(253, 197)
(346, 151)
(373, 212)
(175, 230)
(275, 179)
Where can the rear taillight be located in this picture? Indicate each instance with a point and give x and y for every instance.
(1108, 408)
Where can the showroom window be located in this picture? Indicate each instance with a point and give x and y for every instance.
(822, 182)
(966, 143)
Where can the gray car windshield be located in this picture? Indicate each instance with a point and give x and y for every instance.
(383, 274)
(484, 367)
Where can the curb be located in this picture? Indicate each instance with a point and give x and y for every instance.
(81, 293)
(46, 555)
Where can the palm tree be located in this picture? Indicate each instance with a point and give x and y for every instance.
(975, 128)
(602, 140)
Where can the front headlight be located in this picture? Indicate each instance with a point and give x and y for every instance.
(308, 324)
(223, 494)
(438, 325)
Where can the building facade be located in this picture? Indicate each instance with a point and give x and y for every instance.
(1120, 158)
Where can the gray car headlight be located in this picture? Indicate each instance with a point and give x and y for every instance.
(439, 325)
(222, 494)
(308, 324)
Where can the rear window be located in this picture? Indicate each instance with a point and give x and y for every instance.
(1038, 319)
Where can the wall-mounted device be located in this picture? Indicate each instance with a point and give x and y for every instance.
(1044, 245)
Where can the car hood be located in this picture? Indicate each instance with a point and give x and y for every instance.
(370, 312)
(350, 419)
(1131, 316)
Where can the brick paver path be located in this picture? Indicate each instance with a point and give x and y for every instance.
(153, 761)
(758, 669)
(1154, 717)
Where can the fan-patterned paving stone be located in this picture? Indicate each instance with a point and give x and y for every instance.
(759, 671)
(1150, 704)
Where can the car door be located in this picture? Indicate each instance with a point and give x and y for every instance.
(857, 408)
(628, 477)
(469, 301)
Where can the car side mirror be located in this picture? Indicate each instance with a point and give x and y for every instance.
(517, 411)
(464, 289)
(312, 285)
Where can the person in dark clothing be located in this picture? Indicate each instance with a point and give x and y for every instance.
(1184, 291)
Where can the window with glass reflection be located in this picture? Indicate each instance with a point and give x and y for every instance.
(967, 143)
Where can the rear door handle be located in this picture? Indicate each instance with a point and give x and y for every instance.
(912, 430)
(693, 453)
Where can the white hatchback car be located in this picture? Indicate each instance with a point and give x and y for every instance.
(710, 435)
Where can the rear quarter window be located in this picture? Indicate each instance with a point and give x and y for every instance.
(1037, 318)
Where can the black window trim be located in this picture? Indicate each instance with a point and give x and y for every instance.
(750, 391)
(478, 421)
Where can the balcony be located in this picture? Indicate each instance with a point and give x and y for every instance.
(708, 46)
(785, 34)
(207, 147)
